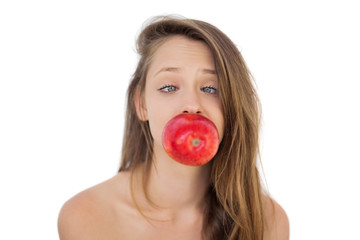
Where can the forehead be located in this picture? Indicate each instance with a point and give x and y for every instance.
(181, 51)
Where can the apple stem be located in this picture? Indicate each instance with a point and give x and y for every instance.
(195, 142)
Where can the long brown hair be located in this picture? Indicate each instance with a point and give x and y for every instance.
(234, 199)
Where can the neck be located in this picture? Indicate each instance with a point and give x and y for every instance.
(175, 187)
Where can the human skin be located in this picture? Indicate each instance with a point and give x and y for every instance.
(181, 79)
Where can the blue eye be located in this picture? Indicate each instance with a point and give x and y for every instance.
(210, 90)
(169, 88)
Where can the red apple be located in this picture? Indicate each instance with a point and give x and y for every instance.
(190, 139)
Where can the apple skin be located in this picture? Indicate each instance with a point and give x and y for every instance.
(190, 139)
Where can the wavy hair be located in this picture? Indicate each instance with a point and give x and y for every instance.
(234, 200)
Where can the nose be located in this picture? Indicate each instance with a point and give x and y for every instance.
(191, 104)
(191, 111)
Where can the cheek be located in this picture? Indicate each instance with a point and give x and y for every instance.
(221, 129)
(157, 121)
(220, 121)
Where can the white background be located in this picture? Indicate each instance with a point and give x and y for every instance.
(64, 70)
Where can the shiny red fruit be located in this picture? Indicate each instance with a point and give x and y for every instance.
(190, 139)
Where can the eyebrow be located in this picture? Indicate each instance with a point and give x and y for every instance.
(175, 69)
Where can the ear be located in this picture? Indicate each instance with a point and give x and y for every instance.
(140, 106)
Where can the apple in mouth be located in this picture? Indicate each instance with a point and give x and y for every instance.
(190, 139)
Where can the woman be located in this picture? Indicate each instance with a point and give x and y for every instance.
(186, 67)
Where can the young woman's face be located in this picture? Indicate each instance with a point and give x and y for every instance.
(181, 79)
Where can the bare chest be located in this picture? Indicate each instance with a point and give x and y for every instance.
(133, 226)
(136, 229)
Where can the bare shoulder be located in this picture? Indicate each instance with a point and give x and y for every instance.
(90, 213)
(276, 221)
(76, 217)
